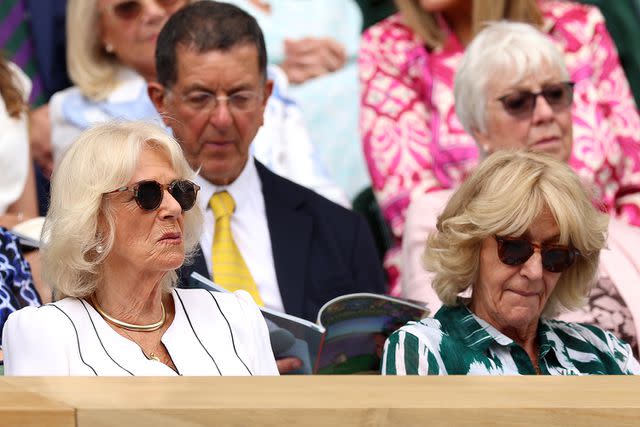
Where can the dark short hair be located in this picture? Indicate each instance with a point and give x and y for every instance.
(206, 26)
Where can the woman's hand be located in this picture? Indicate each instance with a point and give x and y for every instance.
(288, 364)
(312, 57)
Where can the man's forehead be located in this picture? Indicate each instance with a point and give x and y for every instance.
(239, 64)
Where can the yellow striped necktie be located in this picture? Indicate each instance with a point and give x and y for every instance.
(229, 269)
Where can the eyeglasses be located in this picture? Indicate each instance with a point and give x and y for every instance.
(129, 10)
(149, 193)
(516, 251)
(522, 103)
(241, 102)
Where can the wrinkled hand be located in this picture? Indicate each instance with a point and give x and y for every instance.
(312, 57)
(40, 139)
(288, 364)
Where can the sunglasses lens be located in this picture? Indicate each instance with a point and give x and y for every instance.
(131, 9)
(149, 195)
(127, 10)
(518, 103)
(557, 260)
(514, 252)
(184, 192)
(558, 95)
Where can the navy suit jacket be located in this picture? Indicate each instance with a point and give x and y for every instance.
(49, 39)
(320, 249)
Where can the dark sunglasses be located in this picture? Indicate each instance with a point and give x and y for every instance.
(522, 103)
(129, 10)
(149, 193)
(516, 251)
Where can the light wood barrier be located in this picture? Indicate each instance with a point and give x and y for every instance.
(320, 400)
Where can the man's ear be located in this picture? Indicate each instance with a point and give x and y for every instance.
(268, 89)
(158, 96)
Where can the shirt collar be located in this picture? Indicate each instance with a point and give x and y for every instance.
(129, 87)
(480, 335)
(461, 323)
(240, 189)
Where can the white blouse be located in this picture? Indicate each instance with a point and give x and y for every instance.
(211, 334)
(14, 147)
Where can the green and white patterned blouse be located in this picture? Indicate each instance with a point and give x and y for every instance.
(457, 342)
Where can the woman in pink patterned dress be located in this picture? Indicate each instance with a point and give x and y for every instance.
(412, 139)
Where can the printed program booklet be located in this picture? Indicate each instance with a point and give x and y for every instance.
(350, 332)
(29, 231)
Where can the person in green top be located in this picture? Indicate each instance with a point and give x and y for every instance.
(518, 242)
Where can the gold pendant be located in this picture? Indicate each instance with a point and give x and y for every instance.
(152, 356)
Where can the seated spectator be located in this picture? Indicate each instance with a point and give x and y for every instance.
(522, 237)
(18, 199)
(532, 109)
(110, 57)
(412, 138)
(316, 44)
(292, 249)
(121, 220)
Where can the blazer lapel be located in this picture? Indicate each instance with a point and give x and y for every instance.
(290, 231)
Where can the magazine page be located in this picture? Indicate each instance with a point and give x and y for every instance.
(307, 338)
(290, 335)
(357, 326)
(29, 231)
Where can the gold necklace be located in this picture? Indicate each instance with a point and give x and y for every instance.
(131, 326)
(150, 356)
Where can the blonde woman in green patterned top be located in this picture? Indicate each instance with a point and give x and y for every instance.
(517, 243)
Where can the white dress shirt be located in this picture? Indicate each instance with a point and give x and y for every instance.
(250, 230)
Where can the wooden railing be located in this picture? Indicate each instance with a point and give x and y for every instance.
(320, 401)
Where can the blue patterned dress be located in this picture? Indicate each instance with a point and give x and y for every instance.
(16, 285)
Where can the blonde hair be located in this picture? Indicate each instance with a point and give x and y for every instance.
(90, 66)
(425, 24)
(102, 159)
(504, 196)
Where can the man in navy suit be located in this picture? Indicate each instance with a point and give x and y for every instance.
(301, 249)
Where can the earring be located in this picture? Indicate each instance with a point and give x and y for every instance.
(99, 248)
(108, 47)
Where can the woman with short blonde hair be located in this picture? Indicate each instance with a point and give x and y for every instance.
(123, 218)
(505, 197)
(522, 236)
(75, 245)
